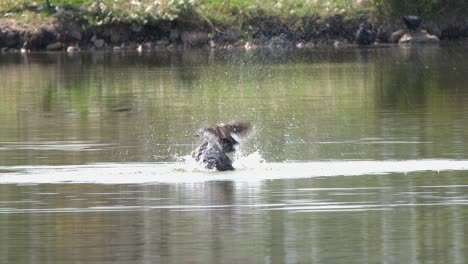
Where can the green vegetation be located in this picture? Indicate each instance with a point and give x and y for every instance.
(102, 12)
(425, 8)
(229, 11)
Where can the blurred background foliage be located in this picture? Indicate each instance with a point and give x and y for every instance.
(228, 11)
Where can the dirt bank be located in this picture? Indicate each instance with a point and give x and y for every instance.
(68, 31)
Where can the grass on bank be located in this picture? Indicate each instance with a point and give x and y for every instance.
(226, 12)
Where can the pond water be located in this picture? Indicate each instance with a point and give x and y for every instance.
(356, 156)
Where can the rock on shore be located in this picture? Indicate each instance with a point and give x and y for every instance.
(418, 37)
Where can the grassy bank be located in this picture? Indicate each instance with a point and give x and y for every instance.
(227, 12)
(218, 12)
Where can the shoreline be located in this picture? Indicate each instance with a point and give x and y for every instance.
(68, 32)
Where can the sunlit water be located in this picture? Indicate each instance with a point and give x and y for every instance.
(248, 170)
(356, 156)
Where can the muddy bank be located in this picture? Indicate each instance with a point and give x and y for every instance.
(66, 31)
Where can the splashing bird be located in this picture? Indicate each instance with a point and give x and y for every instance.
(218, 141)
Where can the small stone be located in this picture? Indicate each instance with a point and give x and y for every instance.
(93, 38)
(99, 43)
(131, 45)
(337, 43)
(139, 48)
(195, 38)
(396, 36)
(115, 37)
(148, 45)
(73, 49)
(136, 28)
(418, 37)
(434, 29)
(174, 35)
(54, 46)
(11, 38)
(213, 44)
(75, 35)
(300, 45)
(162, 42)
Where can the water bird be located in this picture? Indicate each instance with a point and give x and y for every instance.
(412, 22)
(218, 141)
(364, 36)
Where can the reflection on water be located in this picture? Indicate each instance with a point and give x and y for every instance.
(357, 156)
(359, 219)
(391, 103)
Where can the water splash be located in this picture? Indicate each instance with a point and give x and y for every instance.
(187, 163)
(252, 160)
(240, 159)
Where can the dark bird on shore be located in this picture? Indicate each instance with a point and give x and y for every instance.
(219, 141)
(364, 36)
(412, 22)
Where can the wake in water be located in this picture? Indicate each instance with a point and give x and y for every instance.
(249, 168)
